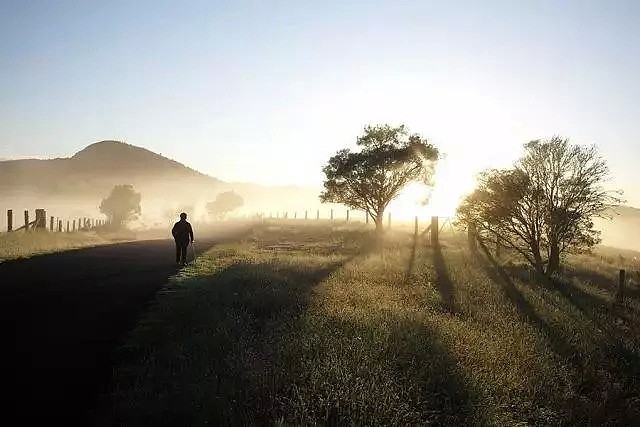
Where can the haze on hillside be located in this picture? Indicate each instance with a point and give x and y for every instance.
(192, 100)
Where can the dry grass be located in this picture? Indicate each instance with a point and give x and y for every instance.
(21, 245)
(306, 325)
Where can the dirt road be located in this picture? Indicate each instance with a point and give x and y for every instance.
(62, 316)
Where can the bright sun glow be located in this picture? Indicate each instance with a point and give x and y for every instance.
(454, 178)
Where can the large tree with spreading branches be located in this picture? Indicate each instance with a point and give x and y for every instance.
(369, 179)
(544, 206)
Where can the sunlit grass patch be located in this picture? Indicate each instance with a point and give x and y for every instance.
(22, 244)
(314, 324)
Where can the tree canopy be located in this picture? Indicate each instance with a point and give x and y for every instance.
(369, 179)
(122, 205)
(225, 203)
(544, 206)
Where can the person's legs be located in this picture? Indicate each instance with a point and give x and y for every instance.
(184, 252)
(178, 247)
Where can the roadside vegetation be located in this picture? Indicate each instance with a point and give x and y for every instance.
(19, 244)
(304, 324)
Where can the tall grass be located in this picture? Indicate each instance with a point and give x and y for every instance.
(21, 244)
(314, 324)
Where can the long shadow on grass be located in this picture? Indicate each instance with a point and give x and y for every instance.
(211, 351)
(443, 281)
(412, 259)
(396, 372)
(495, 271)
(620, 364)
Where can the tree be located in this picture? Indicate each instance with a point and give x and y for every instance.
(371, 178)
(122, 205)
(225, 203)
(545, 205)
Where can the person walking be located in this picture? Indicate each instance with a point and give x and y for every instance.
(183, 235)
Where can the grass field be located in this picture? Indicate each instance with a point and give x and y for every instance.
(20, 244)
(307, 325)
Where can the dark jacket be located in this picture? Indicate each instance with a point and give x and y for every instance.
(182, 231)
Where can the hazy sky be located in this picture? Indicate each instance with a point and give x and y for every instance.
(266, 91)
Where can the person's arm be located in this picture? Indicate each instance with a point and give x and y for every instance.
(174, 231)
(191, 233)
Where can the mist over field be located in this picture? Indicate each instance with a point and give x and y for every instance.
(73, 187)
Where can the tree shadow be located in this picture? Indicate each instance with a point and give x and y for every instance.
(608, 370)
(231, 324)
(416, 369)
(524, 309)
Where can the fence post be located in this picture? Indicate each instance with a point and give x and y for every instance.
(41, 219)
(434, 231)
(471, 237)
(347, 215)
(318, 214)
(415, 225)
(59, 226)
(621, 279)
(389, 220)
(26, 220)
(331, 214)
(295, 215)
(9, 219)
(74, 225)
(366, 221)
(305, 215)
(67, 226)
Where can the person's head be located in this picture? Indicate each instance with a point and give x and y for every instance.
(183, 216)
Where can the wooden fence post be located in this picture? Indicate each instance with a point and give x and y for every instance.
(331, 214)
(51, 223)
(621, 280)
(295, 215)
(305, 215)
(472, 237)
(434, 231)
(67, 226)
(59, 226)
(388, 220)
(74, 225)
(9, 219)
(26, 220)
(347, 215)
(366, 221)
(415, 225)
(41, 219)
(318, 214)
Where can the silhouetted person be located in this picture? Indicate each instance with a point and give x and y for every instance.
(182, 234)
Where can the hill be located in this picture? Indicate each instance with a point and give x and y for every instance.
(76, 185)
(95, 170)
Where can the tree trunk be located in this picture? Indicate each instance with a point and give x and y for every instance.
(378, 220)
(538, 265)
(554, 258)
